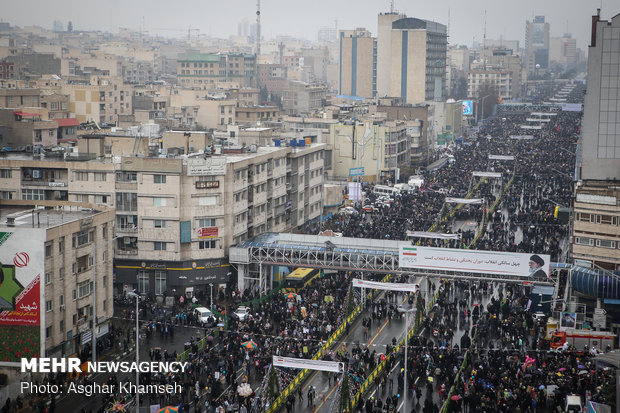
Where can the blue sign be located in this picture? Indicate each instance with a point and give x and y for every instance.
(468, 107)
(356, 171)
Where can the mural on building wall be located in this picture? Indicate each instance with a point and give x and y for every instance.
(21, 265)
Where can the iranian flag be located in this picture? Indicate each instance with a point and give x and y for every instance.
(410, 251)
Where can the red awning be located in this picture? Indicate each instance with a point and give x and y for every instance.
(26, 114)
(67, 122)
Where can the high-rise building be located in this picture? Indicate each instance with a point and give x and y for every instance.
(418, 60)
(358, 63)
(563, 51)
(384, 39)
(537, 44)
(600, 143)
(596, 218)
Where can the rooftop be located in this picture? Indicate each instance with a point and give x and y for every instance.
(39, 217)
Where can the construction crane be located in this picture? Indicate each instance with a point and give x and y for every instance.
(189, 31)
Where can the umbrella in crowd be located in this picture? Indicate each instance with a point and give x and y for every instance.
(290, 295)
(250, 344)
(168, 409)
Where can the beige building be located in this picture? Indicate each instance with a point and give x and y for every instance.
(79, 251)
(358, 63)
(303, 98)
(418, 60)
(596, 230)
(177, 217)
(383, 149)
(384, 51)
(206, 70)
(19, 98)
(252, 115)
(21, 128)
(103, 99)
(501, 80)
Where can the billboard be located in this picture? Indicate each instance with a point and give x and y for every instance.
(320, 365)
(22, 259)
(468, 107)
(489, 262)
(568, 320)
(359, 171)
(207, 232)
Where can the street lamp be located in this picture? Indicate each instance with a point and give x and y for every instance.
(408, 312)
(482, 108)
(94, 329)
(134, 294)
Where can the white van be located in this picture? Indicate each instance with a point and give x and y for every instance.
(573, 403)
(385, 190)
(403, 187)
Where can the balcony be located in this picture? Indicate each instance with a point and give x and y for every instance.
(40, 182)
(127, 186)
(124, 253)
(126, 229)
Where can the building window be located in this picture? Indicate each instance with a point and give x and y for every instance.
(48, 277)
(61, 273)
(605, 243)
(160, 223)
(62, 300)
(48, 306)
(74, 296)
(160, 201)
(160, 282)
(143, 282)
(159, 179)
(84, 288)
(584, 241)
(61, 245)
(101, 199)
(159, 246)
(5, 173)
(206, 222)
(49, 332)
(33, 194)
(81, 176)
(80, 197)
(83, 237)
(107, 149)
(48, 249)
(203, 245)
(100, 176)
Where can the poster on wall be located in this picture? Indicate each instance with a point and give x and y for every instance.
(21, 267)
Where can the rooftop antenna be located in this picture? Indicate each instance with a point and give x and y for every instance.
(392, 6)
(484, 41)
(257, 43)
(448, 22)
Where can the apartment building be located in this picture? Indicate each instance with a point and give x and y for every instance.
(76, 261)
(176, 218)
(500, 80)
(303, 98)
(358, 63)
(206, 70)
(21, 128)
(383, 149)
(102, 99)
(247, 115)
(596, 218)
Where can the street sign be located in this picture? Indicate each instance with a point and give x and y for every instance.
(600, 311)
(599, 321)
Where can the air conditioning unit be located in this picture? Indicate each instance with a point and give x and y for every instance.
(62, 307)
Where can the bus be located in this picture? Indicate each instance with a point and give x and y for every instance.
(385, 190)
(301, 278)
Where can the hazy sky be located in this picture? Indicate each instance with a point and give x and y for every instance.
(304, 18)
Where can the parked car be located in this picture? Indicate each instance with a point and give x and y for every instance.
(242, 313)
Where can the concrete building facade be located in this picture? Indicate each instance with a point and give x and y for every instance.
(358, 63)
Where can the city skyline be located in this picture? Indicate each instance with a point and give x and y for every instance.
(466, 25)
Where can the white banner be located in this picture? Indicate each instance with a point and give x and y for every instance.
(412, 288)
(436, 235)
(543, 114)
(208, 166)
(293, 363)
(536, 127)
(538, 120)
(488, 174)
(502, 157)
(488, 262)
(572, 107)
(464, 200)
(355, 191)
(522, 137)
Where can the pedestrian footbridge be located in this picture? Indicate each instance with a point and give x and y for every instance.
(253, 259)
